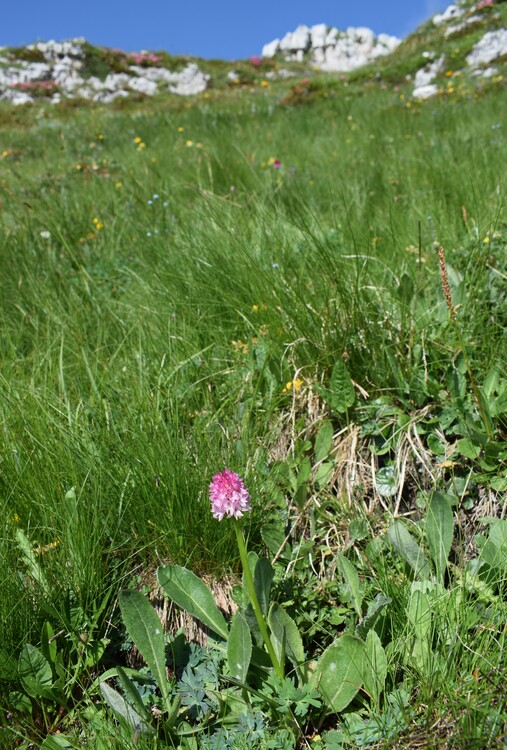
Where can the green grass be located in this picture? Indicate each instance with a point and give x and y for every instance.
(145, 350)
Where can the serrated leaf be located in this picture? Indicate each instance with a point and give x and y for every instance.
(239, 647)
(343, 394)
(406, 546)
(439, 531)
(145, 629)
(192, 595)
(339, 672)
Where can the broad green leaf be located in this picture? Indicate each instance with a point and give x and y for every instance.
(373, 613)
(48, 642)
(33, 567)
(263, 578)
(275, 540)
(494, 551)
(324, 441)
(375, 666)
(343, 394)
(406, 546)
(121, 707)
(285, 636)
(133, 693)
(439, 531)
(145, 629)
(324, 473)
(35, 673)
(57, 742)
(304, 471)
(491, 382)
(386, 481)
(468, 448)
(191, 594)
(351, 579)
(239, 647)
(339, 672)
(8, 666)
(419, 614)
(20, 701)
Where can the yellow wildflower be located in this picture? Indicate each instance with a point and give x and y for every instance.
(264, 84)
(138, 139)
(181, 130)
(292, 385)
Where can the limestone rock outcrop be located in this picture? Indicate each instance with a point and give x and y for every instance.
(330, 49)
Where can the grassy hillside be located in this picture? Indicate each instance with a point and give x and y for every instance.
(251, 279)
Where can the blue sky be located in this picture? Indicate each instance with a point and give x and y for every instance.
(228, 29)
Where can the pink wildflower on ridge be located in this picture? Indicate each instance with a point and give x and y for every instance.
(228, 495)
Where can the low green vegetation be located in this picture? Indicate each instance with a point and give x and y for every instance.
(302, 280)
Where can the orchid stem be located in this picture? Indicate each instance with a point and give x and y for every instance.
(255, 602)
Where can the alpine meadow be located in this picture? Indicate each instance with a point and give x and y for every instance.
(253, 403)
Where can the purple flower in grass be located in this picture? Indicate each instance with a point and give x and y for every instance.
(228, 495)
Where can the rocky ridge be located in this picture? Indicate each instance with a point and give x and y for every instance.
(491, 47)
(73, 69)
(58, 70)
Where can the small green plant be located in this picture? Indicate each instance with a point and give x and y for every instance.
(262, 663)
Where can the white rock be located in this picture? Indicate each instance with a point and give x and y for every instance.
(189, 81)
(458, 27)
(16, 97)
(152, 74)
(451, 12)
(426, 75)
(24, 73)
(485, 73)
(116, 81)
(296, 41)
(425, 92)
(318, 35)
(492, 45)
(143, 86)
(270, 49)
(106, 97)
(333, 50)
